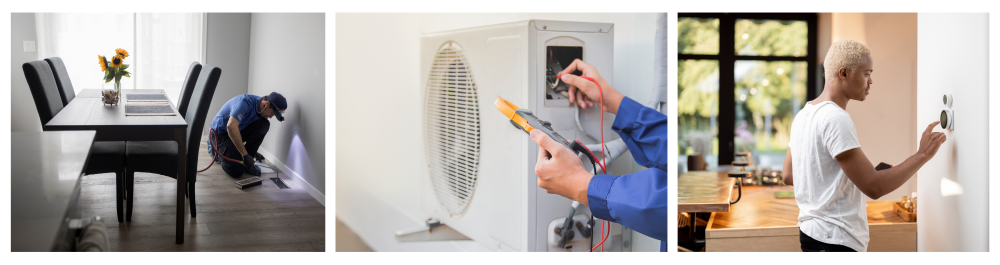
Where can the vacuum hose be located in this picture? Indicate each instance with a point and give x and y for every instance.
(215, 148)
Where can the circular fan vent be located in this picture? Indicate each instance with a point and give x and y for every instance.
(451, 129)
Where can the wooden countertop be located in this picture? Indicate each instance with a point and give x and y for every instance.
(704, 191)
(760, 210)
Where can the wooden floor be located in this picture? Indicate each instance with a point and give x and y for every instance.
(261, 218)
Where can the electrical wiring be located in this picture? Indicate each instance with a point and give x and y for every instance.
(603, 155)
(601, 105)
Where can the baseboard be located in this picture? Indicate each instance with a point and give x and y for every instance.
(319, 196)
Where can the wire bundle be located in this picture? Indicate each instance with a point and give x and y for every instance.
(602, 163)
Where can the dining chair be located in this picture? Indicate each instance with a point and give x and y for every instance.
(187, 87)
(62, 79)
(104, 156)
(160, 157)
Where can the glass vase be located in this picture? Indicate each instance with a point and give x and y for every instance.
(116, 87)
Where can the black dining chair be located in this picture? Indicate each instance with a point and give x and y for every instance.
(187, 87)
(160, 157)
(104, 156)
(62, 79)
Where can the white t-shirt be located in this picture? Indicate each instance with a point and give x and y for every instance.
(831, 208)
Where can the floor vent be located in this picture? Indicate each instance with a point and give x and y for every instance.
(279, 183)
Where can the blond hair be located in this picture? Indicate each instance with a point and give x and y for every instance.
(846, 53)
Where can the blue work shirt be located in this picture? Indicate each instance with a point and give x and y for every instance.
(638, 200)
(243, 107)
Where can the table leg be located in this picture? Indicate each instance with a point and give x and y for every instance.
(694, 230)
(179, 136)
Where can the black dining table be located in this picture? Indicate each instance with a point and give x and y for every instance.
(88, 112)
(45, 180)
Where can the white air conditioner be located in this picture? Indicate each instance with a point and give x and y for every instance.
(480, 177)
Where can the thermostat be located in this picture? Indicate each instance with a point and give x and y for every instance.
(948, 119)
(947, 100)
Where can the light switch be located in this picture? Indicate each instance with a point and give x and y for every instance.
(29, 46)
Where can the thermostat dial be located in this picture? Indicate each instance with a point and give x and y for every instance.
(948, 119)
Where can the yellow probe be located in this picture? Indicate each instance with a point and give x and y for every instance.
(508, 109)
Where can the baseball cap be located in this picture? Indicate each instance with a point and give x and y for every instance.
(278, 103)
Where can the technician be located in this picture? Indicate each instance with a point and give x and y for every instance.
(244, 119)
(832, 174)
(637, 201)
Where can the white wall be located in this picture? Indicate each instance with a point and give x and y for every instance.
(228, 47)
(23, 115)
(378, 104)
(287, 55)
(884, 120)
(953, 189)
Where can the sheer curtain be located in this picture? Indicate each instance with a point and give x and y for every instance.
(161, 46)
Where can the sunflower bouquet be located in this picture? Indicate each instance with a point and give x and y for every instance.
(114, 69)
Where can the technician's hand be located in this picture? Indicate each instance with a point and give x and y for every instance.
(559, 170)
(247, 160)
(931, 141)
(584, 92)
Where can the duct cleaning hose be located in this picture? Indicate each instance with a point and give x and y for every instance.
(215, 147)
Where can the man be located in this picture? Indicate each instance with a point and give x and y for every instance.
(244, 119)
(637, 201)
(832, 173)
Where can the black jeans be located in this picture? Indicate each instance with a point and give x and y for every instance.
(811, 245)
(253, 136)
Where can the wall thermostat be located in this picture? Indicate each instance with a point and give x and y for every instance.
(947, 100)
(948, 119)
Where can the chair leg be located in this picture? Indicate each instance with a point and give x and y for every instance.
(130, 196)
(119, 192)
(190, 191)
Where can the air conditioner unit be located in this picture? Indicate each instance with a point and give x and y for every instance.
(480, 177)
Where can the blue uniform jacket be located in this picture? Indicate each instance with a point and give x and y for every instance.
(244, 108)
(639, 200)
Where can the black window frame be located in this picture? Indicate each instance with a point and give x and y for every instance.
(727, 60)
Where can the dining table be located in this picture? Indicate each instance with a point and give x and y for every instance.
(88, 112)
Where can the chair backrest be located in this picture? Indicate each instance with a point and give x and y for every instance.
(187, 87)
(62, 79)
(44, 90)
(201, 99)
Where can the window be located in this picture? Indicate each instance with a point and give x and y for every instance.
(741, 80)
(161, 46)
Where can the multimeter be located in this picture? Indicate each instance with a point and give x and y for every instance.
(526, 121)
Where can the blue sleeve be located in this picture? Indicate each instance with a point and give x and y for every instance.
(644, 131)
(637, 201)
(241, 112)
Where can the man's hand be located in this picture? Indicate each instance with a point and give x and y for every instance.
(876, 184)
(247, 160)
(559, 170)
(931, 141)
(584, 92)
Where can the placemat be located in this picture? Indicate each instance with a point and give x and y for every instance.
(140, 97)
(149, 110)
(784, 195)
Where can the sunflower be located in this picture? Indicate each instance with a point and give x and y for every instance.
(121, 52)
(116, 61)
(103, 63)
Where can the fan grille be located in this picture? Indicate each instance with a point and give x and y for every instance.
(451, 129)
